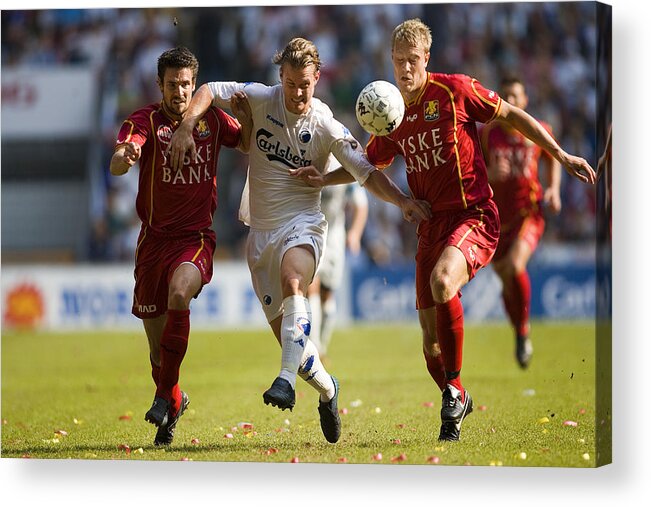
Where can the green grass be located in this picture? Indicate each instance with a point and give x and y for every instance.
(83, 383)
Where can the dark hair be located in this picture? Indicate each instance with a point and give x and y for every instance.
(177, 58)
(511, 79)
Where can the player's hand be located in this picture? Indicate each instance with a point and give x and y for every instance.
(309, 175)
(181, 143)
(132, 153)
(579, 168)
(552, 199)
(241, 108)
(416, 210)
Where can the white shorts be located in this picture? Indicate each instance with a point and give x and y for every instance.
(331, 272)
(265, 250)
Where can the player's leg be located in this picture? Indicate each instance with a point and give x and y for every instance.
(516, 294)
(328, 317)
(431, 348)
(185, 283)
(154, 331)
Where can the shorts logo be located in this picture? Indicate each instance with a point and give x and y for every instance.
(164, 134)
(266, 299)
(471, 252)
(289, 239)
(203, 130)
(431, 110)
(146, 308)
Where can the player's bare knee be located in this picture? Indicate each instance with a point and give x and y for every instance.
(442, 287)
(178, 300)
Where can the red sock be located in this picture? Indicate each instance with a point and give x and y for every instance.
(436, 369)
(173, 346)
(449, 330)
(517, 301)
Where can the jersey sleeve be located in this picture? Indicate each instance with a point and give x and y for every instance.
(381, 151)
(135, 129)
(222, 91)
(479, 103)
(347, 151)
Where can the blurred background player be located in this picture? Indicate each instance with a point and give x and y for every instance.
(346, 210)
(287, 228)
(174, 254)
(512, 162)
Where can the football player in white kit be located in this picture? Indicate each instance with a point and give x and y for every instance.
(336, 200)
(291, 129)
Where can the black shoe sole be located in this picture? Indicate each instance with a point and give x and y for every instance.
(282, 403)
(451, 430)
(154, 416)
(326, 412)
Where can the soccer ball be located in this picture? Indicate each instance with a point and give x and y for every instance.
(380, 108)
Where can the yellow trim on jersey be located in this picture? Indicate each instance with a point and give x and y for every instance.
(200, 249)
(153, 166)
(496, 105)
(480, 223)
(128, 139)
(456, 140)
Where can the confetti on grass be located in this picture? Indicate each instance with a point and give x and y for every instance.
(401, 457)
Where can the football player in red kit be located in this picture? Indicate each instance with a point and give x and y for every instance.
(512, 161)
(445, 166)
(174, 254)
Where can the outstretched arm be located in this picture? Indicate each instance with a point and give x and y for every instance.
(124, 158)
(182, 140)
(525, 123)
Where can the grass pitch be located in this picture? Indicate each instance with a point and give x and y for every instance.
(84, 396)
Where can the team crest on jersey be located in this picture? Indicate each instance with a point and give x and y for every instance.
(203, 130)
(304, 136)
(164, 133)
(431, 110)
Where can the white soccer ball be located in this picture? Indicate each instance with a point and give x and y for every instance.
(380, 108)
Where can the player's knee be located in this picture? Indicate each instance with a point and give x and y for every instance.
(178, 299)
(443, 288)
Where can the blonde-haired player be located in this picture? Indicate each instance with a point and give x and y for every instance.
(291, 129)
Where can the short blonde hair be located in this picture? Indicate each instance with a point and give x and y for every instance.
(414, 32)
(299, 53)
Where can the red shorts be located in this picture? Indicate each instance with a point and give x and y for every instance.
(474, 231)
(528, 227)
(157, 257)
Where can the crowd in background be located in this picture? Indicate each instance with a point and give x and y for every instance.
(552, 46)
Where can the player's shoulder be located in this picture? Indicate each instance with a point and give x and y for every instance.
(452, 80)
(321, 111)
(145, 112)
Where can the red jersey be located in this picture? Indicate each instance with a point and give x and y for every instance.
(439, 142)
(168, 201)
(521, 192)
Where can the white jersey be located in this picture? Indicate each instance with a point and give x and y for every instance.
(282, 140)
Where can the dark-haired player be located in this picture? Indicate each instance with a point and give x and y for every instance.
(174, 254)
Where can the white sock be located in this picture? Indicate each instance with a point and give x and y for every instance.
(315, 332)
(295, 329)
(328, 318)
(313, 372)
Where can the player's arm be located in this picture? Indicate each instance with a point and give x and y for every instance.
(552, 192)
(242, 110)
(353, 160)
(358, 219)
(525, 123)
(314, 178)
(124, 157)
(182, 140)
